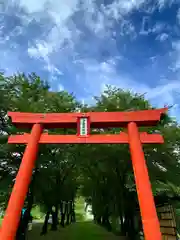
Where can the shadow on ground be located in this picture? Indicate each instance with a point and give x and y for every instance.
(79, 230)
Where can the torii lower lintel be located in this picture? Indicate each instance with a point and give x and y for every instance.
(90, 139)
(130, 120)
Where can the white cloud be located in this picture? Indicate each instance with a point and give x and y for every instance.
(41, 49)
(100, 74)
(162, 37)
(178, 16)
(60, 87)
(158, 27)
(60, 12)
(32, 5)
(95, 74)
(65, 35)
(118, 8)
(165, 3)
(176, 55)
(63, 32)
(145, 27)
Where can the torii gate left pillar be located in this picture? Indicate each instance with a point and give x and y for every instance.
(82, 122)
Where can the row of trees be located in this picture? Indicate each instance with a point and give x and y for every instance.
(101, 173)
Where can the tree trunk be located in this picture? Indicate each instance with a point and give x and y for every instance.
(73, 214)
(106, 223)
(63, 213)
(20, 234)
(54, 221)
(45, 225)
(105, 218)
(68, 212)
(24, 220)
(97, 219)
(130, 225)
(56, 212)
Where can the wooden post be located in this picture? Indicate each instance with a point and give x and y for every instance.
(149, 217)
(20, 189)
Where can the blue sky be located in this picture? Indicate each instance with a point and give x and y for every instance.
(82, 45)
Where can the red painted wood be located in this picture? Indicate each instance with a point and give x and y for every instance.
(73, 139)
(78, 126)
(20, 189)
(149, 217)
(97, 119)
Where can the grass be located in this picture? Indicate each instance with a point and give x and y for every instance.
(80, 214)
(82, 229)
(36, 213)
(79, 230)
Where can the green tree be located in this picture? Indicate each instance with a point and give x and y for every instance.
(108, 178)
(102, 173)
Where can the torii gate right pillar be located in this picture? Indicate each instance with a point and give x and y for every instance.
(150, 222)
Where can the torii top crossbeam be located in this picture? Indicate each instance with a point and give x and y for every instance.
(97, 119)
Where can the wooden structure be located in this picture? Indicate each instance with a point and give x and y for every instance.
(166, 215)
(83, 122)
(167, 221)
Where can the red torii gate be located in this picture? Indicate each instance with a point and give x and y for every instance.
(83, 121)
